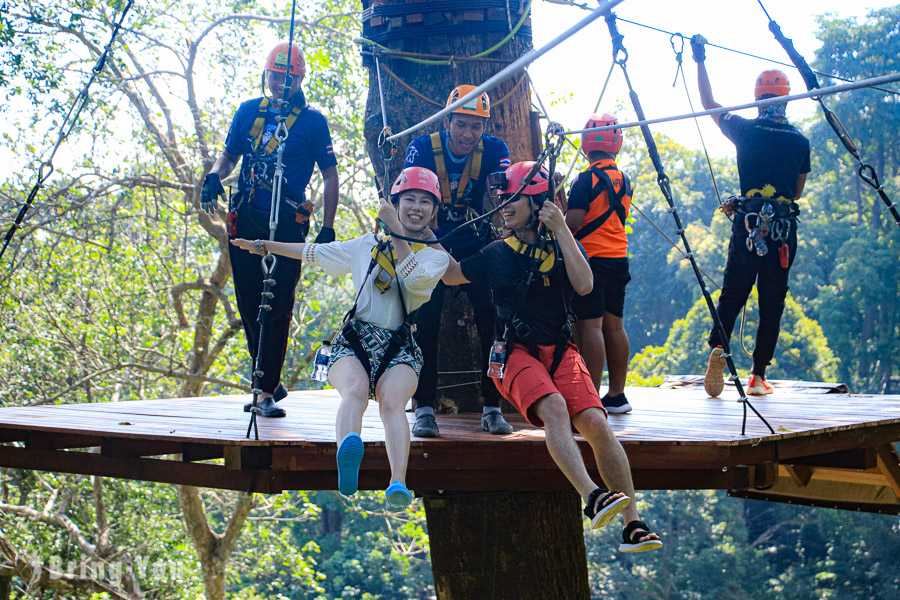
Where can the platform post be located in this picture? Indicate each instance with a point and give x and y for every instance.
(508, 545)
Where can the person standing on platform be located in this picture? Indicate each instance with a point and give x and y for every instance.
(773, 163)
(462, 155)
(534, 364)
(597, 214)
(375, 353)
(251, 138)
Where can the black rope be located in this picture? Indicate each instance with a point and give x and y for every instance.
(269, 262)
(620, 56)
(864, 170)
(68, 125)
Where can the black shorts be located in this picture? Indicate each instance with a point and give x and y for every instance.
(608, 296)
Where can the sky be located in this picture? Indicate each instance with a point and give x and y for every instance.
(579, 65)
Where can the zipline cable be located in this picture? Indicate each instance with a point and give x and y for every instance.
(864, 170)
(620, 56)
(69, 122)
(512, 68)
(719, 46)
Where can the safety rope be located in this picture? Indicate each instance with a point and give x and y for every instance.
(269, 262)
(864, 170)
(575, 158)
(66, 127)
(620, 56)
(449, 60)
(511, 69)
(719, 46)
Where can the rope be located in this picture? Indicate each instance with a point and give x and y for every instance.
(66, 127)
(419, 95)
(815, 94)
(575, 158)
(864, 170)
(679, 58)
(512, 68)
(449, 60)
(719, 46)
(620, 56)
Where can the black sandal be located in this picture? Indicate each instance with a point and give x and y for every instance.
(632, 538)
(603, 509)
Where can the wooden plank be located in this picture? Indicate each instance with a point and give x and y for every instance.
(44, 441)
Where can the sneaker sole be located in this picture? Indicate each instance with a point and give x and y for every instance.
(426, 434)
(714, 381)
(610, 512)
(485, 428)
(647, 546)
(398, 498)
(618, 410)
(349, 458)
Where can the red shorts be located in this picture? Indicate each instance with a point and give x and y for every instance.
(528, 380)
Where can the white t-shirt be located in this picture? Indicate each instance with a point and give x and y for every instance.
(417, 274)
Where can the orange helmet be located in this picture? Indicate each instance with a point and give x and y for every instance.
(609, 141)
(772, 83)
(416, 178)
(480, 106)
(278, 59)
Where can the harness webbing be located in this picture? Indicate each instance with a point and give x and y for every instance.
(616, 206)
(258, 127)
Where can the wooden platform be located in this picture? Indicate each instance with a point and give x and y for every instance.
(676, 438)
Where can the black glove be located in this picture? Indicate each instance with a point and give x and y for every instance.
(698, 48)
(326, 234)
(212, 189)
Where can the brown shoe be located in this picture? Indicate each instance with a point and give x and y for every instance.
(714, 380)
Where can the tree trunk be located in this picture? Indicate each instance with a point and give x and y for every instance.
(506, 545)
(517, 546)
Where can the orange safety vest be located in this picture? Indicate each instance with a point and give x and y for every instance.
(603, 231)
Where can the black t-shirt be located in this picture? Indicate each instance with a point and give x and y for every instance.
(542, 308)
(768, 153)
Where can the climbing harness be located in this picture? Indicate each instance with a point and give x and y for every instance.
(454, 203)
(617, 199)
(66, 127)
(620, 56)
(269, 262)
(864, 170)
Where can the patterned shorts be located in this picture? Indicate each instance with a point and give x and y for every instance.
(374, 341)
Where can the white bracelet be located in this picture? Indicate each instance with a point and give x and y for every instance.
(309, 253)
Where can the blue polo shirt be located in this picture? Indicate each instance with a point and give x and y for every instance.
(308, 144)
(495, 158)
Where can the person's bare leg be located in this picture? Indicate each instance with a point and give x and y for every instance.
(551, 409)
(392, 392)
(617, 349)
(592, 347)
(351, 381)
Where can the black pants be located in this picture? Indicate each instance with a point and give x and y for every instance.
(247, 271)
(428, 329)
(743, 269)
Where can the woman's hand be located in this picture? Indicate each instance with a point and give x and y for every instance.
(388, 215)
(552, 217)
(253, 247)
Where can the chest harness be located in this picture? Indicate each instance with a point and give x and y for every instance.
(617, 199)
(455, 205)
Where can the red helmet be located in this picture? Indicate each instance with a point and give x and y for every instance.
(515, 176)
(609, 141)
(416, 178)
(278, 59)
(772, 83)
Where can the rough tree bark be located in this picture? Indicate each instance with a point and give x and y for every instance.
(498, 545)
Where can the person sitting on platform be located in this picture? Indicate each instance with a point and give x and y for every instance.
(597, 213)
(773, 162)
(534, 364)
(375, 353)
(462, 155)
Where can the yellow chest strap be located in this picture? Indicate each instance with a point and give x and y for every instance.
(547, 258)
(386, 262)
(258, 127)
(472, 170)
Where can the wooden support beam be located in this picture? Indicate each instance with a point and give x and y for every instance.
(54, 441)
(801, 474)
(243, 458)
(888, 465)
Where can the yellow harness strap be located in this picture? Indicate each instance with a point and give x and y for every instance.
(547, 257)
(437, 149)
(767, 191)
(472, 170)
(386, 263)
(258, 127)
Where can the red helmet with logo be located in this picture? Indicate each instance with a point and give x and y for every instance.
(772, 83)
(609, 141)
(416, 178)
(278, 60)
(516, 174)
